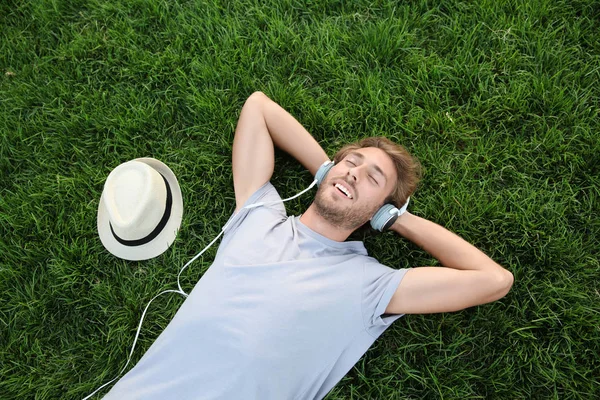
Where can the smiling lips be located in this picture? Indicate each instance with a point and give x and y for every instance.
(344, 190)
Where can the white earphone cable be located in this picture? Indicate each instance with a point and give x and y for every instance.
(280, 201)
(180, 291)
(134, 342)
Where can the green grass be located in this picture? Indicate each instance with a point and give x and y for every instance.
(499, 101)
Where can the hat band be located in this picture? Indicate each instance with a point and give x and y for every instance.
(159, 227)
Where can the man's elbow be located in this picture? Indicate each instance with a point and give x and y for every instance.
(258, 95)
(503, 282)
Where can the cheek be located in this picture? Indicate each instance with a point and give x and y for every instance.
(333, 174)
(378, 195)
(372, 195)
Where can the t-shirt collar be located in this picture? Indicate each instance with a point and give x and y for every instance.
(355, 245)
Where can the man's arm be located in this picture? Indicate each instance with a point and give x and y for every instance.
(262, 124)
(471, 278)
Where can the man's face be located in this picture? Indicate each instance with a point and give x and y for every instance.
(369, 175)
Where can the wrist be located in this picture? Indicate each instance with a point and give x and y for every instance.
(400, 222)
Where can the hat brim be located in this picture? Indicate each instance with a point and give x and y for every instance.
(165, 238)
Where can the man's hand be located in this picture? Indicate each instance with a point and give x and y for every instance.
(262, 124)
(471, 278)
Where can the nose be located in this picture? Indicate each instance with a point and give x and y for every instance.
(355, 173)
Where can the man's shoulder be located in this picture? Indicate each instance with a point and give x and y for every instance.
(373, 269)
(268, 195)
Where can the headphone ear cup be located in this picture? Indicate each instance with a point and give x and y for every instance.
(384, 218)
(322, 172)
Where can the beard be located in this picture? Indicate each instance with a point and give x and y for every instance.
(349, 216)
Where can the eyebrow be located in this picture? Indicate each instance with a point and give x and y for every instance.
(377, 169)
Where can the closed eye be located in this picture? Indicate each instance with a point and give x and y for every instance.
(373, 179)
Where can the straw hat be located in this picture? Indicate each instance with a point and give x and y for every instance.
(140, 209)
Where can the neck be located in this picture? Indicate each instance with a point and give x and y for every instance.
(317, 223)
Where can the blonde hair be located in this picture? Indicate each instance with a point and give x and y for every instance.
(408, 167)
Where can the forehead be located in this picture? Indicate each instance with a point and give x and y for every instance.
(378, 159)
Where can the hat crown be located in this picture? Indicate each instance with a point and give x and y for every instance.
(135, 199)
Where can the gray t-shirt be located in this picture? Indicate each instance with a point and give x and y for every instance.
(282, 313)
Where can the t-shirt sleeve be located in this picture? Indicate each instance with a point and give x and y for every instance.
(379, 285)
(275, 211)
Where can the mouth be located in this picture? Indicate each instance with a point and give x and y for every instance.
(343, 190)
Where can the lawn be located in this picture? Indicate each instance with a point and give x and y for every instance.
(499, 100)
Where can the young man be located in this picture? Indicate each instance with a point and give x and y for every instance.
(289, 306)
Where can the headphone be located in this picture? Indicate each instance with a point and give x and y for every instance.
(384, 218)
